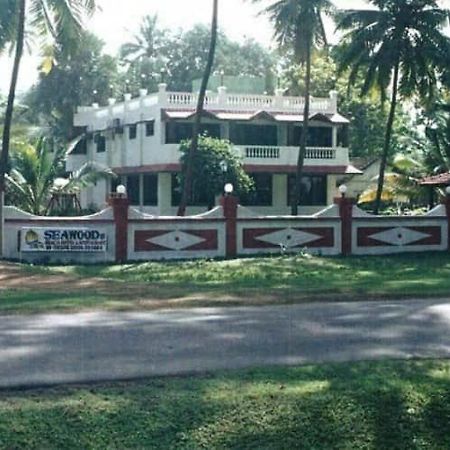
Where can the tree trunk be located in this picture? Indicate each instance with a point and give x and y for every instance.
(304, 135)
(187, 187)
(4, 157)
(387, 139)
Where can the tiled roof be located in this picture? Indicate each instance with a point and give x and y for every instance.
(436, 180)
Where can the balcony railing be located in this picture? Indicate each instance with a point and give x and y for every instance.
(265, 152)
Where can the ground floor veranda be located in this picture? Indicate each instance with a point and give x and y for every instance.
(159, 193)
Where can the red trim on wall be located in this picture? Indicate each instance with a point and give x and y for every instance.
(251, 168)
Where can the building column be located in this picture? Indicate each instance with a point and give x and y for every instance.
(164, 192)
(331, 188)
(279, 191)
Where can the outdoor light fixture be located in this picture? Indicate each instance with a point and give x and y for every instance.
(228, 189)
(121, 189)
(343, 189)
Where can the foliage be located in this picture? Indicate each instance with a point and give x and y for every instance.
(401, 42)
(36, 173)
(208, 175)
(79, 78)
(156, 55)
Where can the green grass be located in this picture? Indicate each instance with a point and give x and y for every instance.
(252, 281)
(372, 405)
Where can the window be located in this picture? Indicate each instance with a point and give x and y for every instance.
(180, 131)
(199, 197)
(314, 190)
(241, 134)
(80, 148)
(262, 194)
(132, 131)
(150, 128)
(150, 190)
(317, 136)
(100, 141)
(133, 189)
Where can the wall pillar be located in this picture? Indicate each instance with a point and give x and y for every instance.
(229, 204)
(164, 193)
(346, 212)
(120, 204)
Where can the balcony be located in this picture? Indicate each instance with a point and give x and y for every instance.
(267, 155)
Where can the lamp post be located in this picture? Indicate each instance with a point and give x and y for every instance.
(224, 168)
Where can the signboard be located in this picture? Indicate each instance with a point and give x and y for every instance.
(63, 240)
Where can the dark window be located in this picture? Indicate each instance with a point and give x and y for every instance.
(151, 190)
(317, 136)
(177, 132)
(343, 136)
(199, 196)
(262, 194)
(314, 190)
(150, 128)
(114, 183)
(180, 131)
(241, 134)
(133, 189)
(132, 132)
(100, 141)
(80, 148)
(210, 129)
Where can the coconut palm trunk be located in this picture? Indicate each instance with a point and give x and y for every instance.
(304, 135)
(387, 139)
(187, 187)
(9, 115)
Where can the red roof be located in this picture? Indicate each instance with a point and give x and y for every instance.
(436, 180)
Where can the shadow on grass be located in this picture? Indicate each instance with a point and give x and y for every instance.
(395, 405)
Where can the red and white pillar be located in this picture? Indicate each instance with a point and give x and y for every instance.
(120, 204)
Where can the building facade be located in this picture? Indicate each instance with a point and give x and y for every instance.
(139, 139)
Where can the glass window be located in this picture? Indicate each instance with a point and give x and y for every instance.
(180, 131)
(314, 190)
(100, 141)
(80, 148)
(133, 189)
(245, 134)
(150, 128)
(317, 136)
(151, 189)
(262, 194)
(199, 196)
(132, 131)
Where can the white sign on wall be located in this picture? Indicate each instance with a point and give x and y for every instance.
(63, 240)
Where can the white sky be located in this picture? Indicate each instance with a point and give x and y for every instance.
(116, 22)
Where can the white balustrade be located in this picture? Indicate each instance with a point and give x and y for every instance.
(262, 152)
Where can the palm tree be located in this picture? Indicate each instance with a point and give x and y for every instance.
(299, 26)
(401, 45)
(187, 187)
(63, 20)
(37, 173)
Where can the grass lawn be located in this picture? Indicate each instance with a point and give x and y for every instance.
(371, 405)
(252, 281)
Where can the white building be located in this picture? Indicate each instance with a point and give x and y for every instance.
(139, 138)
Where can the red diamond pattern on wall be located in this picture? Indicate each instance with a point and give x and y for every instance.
(175, 240)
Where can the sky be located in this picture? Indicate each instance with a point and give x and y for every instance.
(117, 22)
